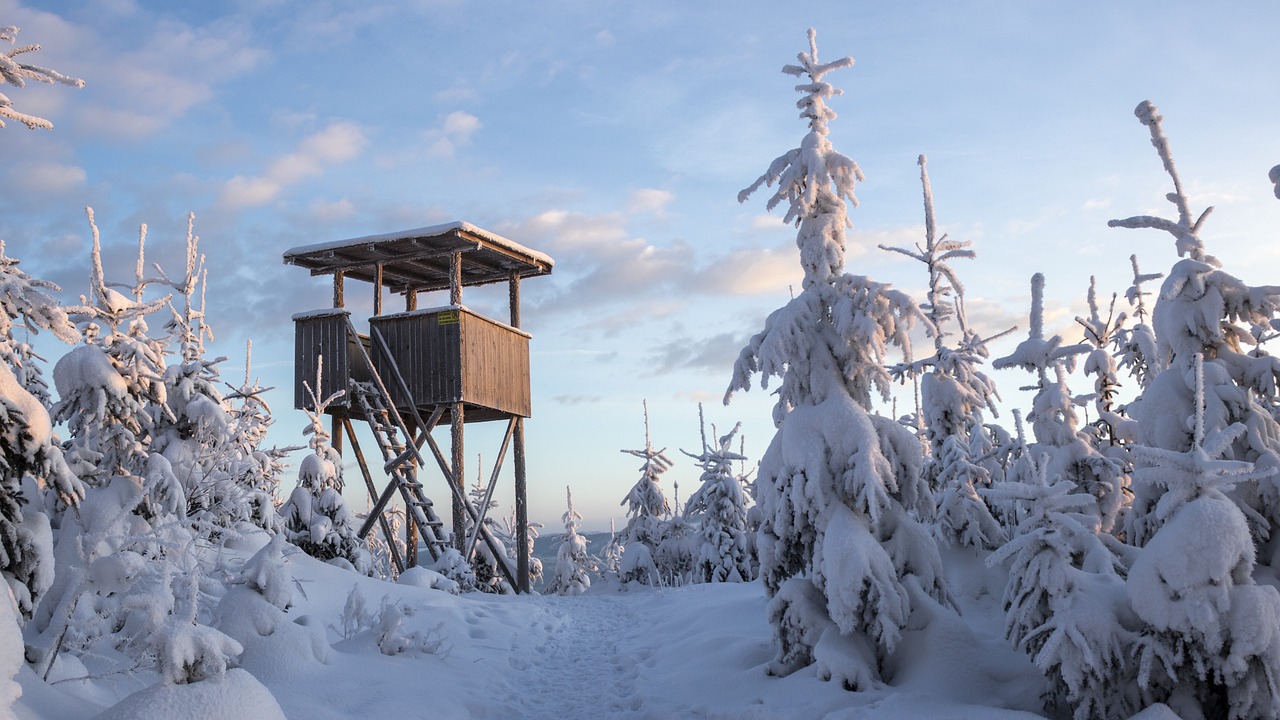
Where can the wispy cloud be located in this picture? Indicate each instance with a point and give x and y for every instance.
(650, 200)
(134, 94)
(455, 130)
(339, 142)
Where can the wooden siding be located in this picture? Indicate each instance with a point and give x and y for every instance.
(325, 334)
(453, 355)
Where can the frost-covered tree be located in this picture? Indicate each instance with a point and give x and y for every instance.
(1211, 642)
(647, 508)
(255, 468)
(488, 575)
(954, 393)
(508, 536)
(1067, 453)
(32, 468)
(15, 72)
(316, 517)
(126, 564)
(720, 505)
(1065, 603)
(196, 436)
(1202, 311)
(574, 566)
(836, 487)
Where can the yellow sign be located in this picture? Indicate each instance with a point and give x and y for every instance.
(448, 317)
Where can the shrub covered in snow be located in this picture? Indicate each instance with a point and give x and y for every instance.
(573, 565)
(720, 506)
(316, 517)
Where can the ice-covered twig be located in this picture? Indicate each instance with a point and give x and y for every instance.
(16, 73)
(1186, 232)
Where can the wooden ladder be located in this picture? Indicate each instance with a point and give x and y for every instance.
(399, 465)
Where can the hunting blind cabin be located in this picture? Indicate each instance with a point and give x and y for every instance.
(418, 369)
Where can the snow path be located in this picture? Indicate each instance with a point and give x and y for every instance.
(575, 661)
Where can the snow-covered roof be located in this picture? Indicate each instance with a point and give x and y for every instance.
(419, 259)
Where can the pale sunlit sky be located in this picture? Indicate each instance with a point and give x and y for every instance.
(615, 136)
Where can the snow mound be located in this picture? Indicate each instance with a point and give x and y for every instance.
(234, 695)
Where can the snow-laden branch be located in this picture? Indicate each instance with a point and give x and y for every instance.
(17, 73)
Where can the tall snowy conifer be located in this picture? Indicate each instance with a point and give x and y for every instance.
(1211, 645)
(954, 393)
(835, 485)
(1203, 311)
(31, 462)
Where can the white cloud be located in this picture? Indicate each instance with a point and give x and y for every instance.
(132, 93)
(339, 142)
(455, 130)
(50, 177)
(330, 211)
(650, 200)
(767, 222)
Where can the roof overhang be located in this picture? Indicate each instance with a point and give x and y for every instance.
(420, 259)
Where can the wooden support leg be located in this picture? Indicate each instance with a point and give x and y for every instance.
(522, 509)
(410, 540)
(459, 481)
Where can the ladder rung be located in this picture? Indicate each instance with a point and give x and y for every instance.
(397, 461)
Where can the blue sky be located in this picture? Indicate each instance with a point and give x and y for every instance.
(614, 137)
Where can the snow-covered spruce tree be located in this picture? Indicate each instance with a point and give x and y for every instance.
(1065, 603)
(648, 509)
(1203, 311)
(488, 577)
(1211, 642)
(840, 550)
(721, 508)
(127, 561)
(252, 466)
(1067, 453)
(17, 73)
(316, 517)
(509, 536)
(574, 566)
(1135, 345)
(32, 469)
(196, 436)
(954, 393)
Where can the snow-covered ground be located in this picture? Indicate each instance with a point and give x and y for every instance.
(698, 651)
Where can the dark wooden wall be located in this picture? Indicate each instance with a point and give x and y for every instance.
(317, 334)
(451, 356)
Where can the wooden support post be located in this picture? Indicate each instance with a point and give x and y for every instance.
(377, 289)
(410, 527)
(515, 300)
(338, 299)
(459, 481)
(522, 509)
(410, 300)
(455, 279)
(335, 430)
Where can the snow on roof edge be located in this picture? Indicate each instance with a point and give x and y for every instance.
(428, 231)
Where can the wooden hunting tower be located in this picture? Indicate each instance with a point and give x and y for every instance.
(418, 368)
